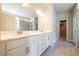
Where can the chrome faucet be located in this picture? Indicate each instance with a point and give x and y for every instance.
(18, 31)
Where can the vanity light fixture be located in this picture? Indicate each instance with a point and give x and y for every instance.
(32, 20)
(39, 12)
(17, 23)
(25, 4)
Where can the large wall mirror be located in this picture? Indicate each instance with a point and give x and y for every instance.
(15, 17)
(11, 22)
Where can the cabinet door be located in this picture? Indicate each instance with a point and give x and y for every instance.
(48, 39)
(42, 46)
(16, 43)
(42, 43)
(33, 43)
(19, 51)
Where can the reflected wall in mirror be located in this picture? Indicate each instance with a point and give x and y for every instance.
(11, 22)
(15, 17)
(25, 25)
(8, 22)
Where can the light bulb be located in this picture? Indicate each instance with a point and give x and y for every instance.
(25, 4)
(39, 12)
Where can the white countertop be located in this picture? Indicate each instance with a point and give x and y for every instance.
(12, 35)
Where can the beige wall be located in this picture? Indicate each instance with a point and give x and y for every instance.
(8, 22)
(0, 17)
(45, 22)
(70, 26)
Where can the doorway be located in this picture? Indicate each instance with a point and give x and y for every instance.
(62, 29)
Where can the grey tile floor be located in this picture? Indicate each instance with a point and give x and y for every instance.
(61, 48)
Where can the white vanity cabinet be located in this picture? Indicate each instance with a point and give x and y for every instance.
(19, 51)
(44, 42)
(39, 43)
(48, 39)
(16, 47)
(33, 44)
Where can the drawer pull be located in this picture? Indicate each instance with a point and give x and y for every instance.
(27, 50)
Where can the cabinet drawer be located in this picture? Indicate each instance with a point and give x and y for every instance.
(15, 43)
(42, 36)
(41, 44)
(42, 40)
(20, 51)
(48, 35)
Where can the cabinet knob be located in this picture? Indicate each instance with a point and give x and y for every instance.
(27, 50)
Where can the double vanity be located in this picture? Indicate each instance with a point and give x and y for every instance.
(28, 43)
(26, 31)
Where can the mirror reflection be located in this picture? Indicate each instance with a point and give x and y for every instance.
(16, 17)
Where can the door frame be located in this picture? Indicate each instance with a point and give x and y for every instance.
(66, 28)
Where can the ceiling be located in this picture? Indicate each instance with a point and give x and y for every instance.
(60, 7)
(63, 7)
(39, 6)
